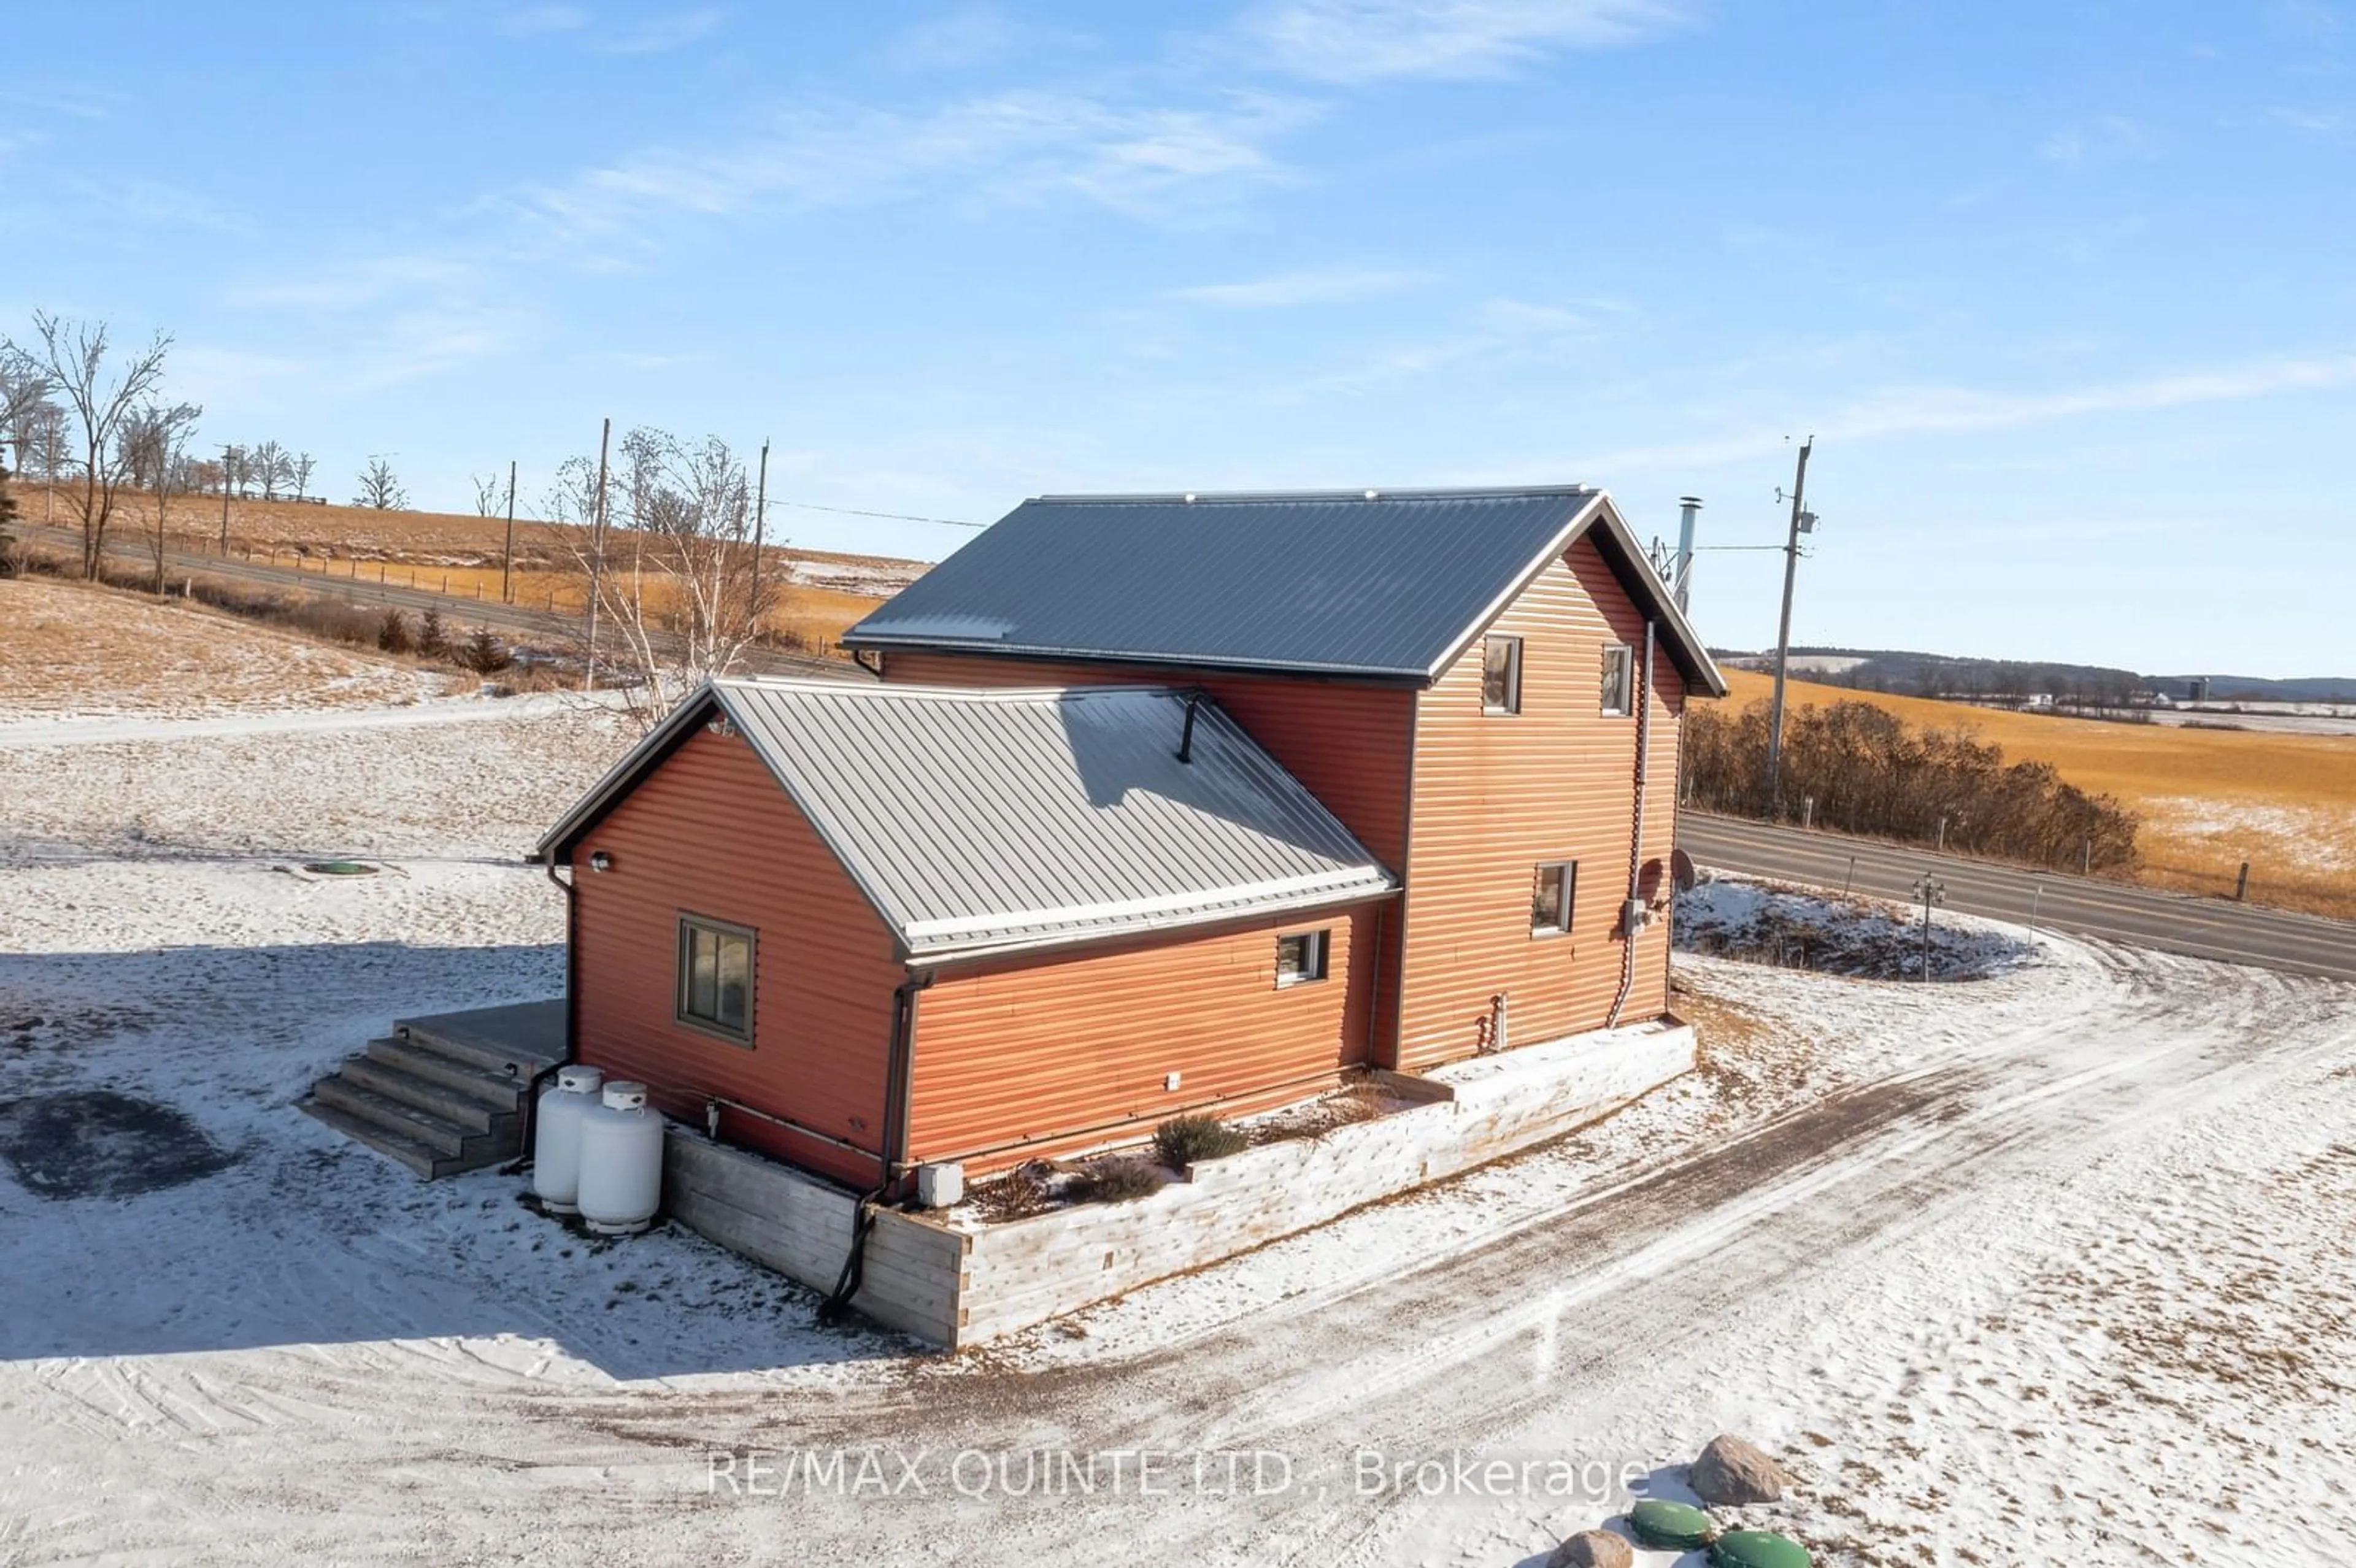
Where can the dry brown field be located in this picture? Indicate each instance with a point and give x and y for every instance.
(2209, 799)
(462, 555)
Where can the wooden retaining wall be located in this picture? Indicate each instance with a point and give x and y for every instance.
(1022, 1272)
(963, 1283)
(801, 1227)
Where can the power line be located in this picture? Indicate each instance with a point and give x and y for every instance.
(894, 516)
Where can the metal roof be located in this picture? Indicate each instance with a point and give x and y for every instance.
(1379, 585)
(985, 821)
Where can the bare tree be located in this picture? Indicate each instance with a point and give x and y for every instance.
(694, 607)
(272, 470)
(24, 393)
(300, 466)
(7, 515)
(27, 422)
(153, 444)
(381, 487)
(73, 355)
(490, 493)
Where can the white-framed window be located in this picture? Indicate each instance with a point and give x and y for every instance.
(715, 977)
(1618, 679)
(1554, 890)
(1299, 957)
(1501, 674)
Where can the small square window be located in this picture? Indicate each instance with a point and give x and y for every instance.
(1618, 679)
(1300, 958)
(1501, 674)
(715, 977)
(1553, 890)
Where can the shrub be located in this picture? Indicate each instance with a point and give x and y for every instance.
(432, 637)
(1115, 1181)
(393, 633)
(484, 653)
(1183, 1140)
(1870, 772)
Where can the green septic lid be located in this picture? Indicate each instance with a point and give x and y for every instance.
(1667, 1526)
(1757, 1548)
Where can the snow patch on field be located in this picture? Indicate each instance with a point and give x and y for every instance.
(2056, 1266)
(2311, 837)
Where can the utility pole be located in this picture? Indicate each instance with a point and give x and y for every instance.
(1800, 519)
(229, 456)
(596, 558)
(760, 531)
(506, 556)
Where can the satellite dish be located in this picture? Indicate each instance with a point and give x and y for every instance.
(1681, 871)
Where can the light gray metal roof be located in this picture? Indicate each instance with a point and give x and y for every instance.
(984, 821)
(1380, 584)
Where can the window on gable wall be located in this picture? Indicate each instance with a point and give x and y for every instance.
(715, 977)
(1554, 886)
(1618, 679)
(1501, 674)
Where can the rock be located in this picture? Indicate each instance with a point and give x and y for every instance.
(1732, 1473)
(1592, 1549)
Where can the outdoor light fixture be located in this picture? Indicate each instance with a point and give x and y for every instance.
(601, 861)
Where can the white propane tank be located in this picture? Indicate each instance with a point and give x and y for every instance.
(621, 1162)
(556, 1136)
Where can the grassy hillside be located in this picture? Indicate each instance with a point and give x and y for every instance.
(2209, 798)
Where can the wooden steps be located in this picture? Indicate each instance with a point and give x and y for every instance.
(438, 1095)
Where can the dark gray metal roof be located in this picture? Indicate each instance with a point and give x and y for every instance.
(985, 821)
(1387, 584)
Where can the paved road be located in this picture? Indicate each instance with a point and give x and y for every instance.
(459, 609)
(2172, 923)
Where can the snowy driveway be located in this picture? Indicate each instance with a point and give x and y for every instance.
(2056, 1266)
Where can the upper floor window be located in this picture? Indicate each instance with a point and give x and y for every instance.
(1300, 957)
(1501, 674)
(1618, 679)
(715, 977)
(1553, 889)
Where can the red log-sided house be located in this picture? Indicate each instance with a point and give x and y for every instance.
(1161, 804)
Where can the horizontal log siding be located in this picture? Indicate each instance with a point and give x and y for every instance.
(1053, 1047)
(710, 832)
(1495, 795)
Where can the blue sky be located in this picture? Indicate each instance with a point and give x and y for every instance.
(2063, 291)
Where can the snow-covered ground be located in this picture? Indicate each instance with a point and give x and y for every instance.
(2056, 1265)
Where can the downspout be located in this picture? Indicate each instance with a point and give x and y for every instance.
(898, 1090)
(1632, 913)
(529, 1111)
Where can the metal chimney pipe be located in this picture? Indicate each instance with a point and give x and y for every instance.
(1687, 507)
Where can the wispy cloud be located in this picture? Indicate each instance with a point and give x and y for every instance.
(2302, 21)
(1369, 40)
(1151, 162)
(2307, 120)
(80, 103)
(1511, 316)
(538, 21)
(662, 33)
(639, 33)
(1901, 412)
(1327, 286)
(2108, 139)
(965, 35)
